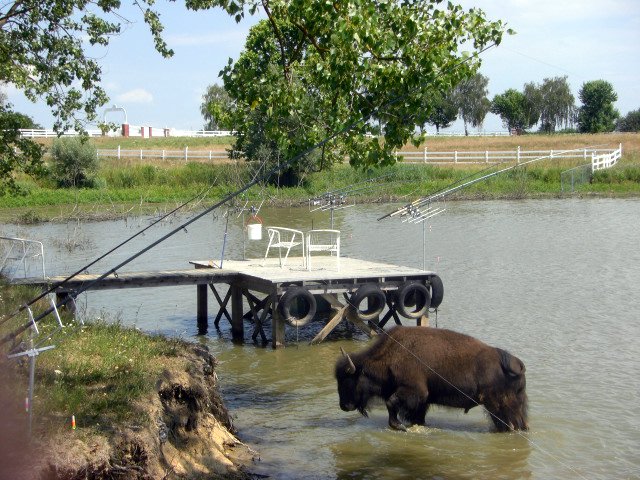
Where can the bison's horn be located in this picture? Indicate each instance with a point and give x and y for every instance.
(351, 368)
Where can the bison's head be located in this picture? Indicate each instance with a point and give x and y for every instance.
(509, 410)
(349, 389)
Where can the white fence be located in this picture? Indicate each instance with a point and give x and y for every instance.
(134, 131)
(595, 156)
(35, 133)
(184, 154)
(605, 160)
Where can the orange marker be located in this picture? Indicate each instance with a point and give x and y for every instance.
(73, 422)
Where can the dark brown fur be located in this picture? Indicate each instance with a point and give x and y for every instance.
(411, 368)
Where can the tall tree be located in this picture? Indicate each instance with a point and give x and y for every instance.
(472, 101)
(556, 104)
(444, 111)
(532, 105)
(16, 153)
(630, 122)
(215, 102)
(314, 68)
(597, 113)
(42, 52)
(515, 109)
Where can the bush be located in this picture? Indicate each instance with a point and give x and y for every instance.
(74, 162)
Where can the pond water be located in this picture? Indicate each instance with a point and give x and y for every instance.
(553, 281)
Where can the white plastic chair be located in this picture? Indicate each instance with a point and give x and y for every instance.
(323, 241)
(284, 239)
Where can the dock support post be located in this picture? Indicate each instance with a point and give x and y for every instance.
(277, 324)
(237, 324)
(423, 321)
(70, 306)
(203, 321)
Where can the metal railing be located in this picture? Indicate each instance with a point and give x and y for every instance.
(17, 253)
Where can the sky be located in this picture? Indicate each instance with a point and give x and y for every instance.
(582, 39)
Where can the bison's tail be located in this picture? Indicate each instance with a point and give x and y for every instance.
(512, 366)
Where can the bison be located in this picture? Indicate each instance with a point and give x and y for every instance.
(411, 368)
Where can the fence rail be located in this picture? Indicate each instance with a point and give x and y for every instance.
(599, 158)
(595, 156)
(135, 131)
(184, 154)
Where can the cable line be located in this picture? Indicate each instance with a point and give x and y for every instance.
(231, 196)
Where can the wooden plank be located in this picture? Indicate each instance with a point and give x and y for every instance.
(328, 328)
(423, 321)
(163, 278)
(352, 316)
(222, 303)
(333, 300)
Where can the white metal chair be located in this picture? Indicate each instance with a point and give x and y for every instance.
(323, 241)
(284, 239)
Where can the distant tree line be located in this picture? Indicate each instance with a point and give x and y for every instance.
(549, 105)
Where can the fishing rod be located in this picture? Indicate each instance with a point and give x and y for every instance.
(456, 185)
(51, 289)
(349, 188)
(231, 196)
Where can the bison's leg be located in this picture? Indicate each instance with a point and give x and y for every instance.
(393, 406)
(411, 402)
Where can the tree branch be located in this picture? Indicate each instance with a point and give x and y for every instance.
(285, 68)
(13, 12)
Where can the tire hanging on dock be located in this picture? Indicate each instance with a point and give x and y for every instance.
(413, 300)
(297, 306)
(437, 291)
(376, 301)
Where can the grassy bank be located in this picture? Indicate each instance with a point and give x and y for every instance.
(96, 372)
(144, 406)
(129, 182)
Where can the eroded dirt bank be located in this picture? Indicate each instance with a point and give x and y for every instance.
(181, 431)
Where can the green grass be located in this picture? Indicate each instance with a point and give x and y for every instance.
(96, 372)
(152, 184)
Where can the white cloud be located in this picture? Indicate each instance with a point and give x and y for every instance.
(137, 95)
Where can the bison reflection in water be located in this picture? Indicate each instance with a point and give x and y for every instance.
(411, 368)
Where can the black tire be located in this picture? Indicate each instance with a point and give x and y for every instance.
(376, 301)
(292, 299)
(413, 300)
(437, 291)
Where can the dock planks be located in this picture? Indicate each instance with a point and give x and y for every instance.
(265, 276)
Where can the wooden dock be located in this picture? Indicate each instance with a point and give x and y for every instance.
(261, 284)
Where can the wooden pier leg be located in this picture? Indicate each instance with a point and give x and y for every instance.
(277, 324)
(203, 321)
(237, 323)
(70, 306)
